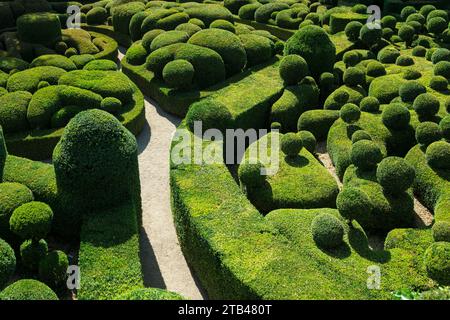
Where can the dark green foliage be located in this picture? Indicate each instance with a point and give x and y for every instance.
(407, 11)
(314, 45)
(13, 111)
(62, 117)
(365, 155)
(407, 33)
(32, 220)
(7, 263)
(411, 74)
(419, 51)
(375, 69)
(370, 104)
(31, 252)
(150, 36)
(291, 144)
(427, 132)
(388, 33)
(248, 11)
(437, 261)
(27, 289)
(259, 49)
(360, 135)
(354, 77)
(308, 140)
(388, 55)
(318, 122)
(426, 105)
(438, 155)
(223, 24)
(416, 17)
(369, 36)
(136, 53)
(96, 15)
(351, 58)
(172, 21)
(437, 25)
(224, 43)
(350, 113)
(441, 54)
(293, 68)
(352, 30)
(54, 60)
(135, 25)
(122, 14)
(288, 19)
(353, 203)
(410, 90)
(43, 28)
(444, 125)
(211, 113)
(250, 174)
(264, 13)
(395, 175)
(101, 64)
(404, 61)
(178, 73)
(168, 38)
(442, 69)
(389, 22)
(53, 268)
(111, 105)
(208, 13)
(149, 294)
(441, 231)
(235, 5)
(395, 116)
(327, 231)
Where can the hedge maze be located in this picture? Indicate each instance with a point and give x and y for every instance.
(361, 115)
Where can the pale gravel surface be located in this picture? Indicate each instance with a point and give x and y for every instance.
(164, 265)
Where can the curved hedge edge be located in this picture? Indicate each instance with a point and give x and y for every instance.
(110, 50)
(280, 33)
(122, 39)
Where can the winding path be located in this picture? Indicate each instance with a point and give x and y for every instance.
(164, 265)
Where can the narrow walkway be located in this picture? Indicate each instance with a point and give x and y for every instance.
(164, 265)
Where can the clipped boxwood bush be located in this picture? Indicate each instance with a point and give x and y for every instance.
(149, 294)
(410, 90)
(13, 111)
(43, 28)
(291, 144)
(350, 113)
(96, 15)
(32, 220)
(178, 73)
(438, 155)
(122, 14)
(259, 49)
(395, 116)
(437, 262)
(426, 105)
(353, 203)
(211, 113)
(327, 231)
(28, 289)
(370, 104)
(32, 251)
(293, 68)
(395, 175)
(7, 263)
(427, 132)
(365, 155)
(53, 269)
(250, 174)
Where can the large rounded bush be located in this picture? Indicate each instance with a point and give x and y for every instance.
(32, 220)
(410, 90)
(149, 36)
(360, 135)
(32, 251)
(248, 11)
(407, 33)
(388, 55)
(441, 231)
(404, 61)
(442, 68)
(439, 83)
(369, 36)
(375, 69)
(354, 77)
(212, 115)
(427, 132)
(350, 113)
(395, 175)
(96, 15)
(437, 25)
(395, 116)
(42, 28)
(167, 38)
(365, 155)
(178, 73)
(314, 45)
(293, 68)
(224, 25)
(444, 125)
(441, 54)
(370, 104)
(352, 30)
(437, 262)
(250, 174)
(28, 289)
(438, 155)
(406, 12)
(426, 105)
(122, 14)
(7, 263)
(353, 203)
(291, 144)
(264, 13)
(259, 49)
(53, 269)
(327, 231)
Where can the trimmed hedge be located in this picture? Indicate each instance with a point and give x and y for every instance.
(7, 263)
(28, 289)
(43, 28)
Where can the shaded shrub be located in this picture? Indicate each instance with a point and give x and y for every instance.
(43, 28)
(7, 263)
(352, 30)
(441, 231)
(444, 125)
(291, 144)
(122, 14)
(388, 55)
(370, 104)
(327, 231)
(438, 155)
(437, 262)
(223, 24)
(248, 11)
(350, 113)
(410, 90)
(438, 83)
(53, 269)
(442, 68)
(353, 203)
(13, 111)
(31, 252)
(212, 114)
(293, 68)
(250, 174)
(426, 105)
(264, 13)
(54, 60)
(96, 15)
(149, 36)
(365, 155)
(395, 116)
(354, 77)
(359, 135)
(427, 132)
(308, 140)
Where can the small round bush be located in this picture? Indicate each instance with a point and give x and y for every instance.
(61, 47)
(150, 36)
(308, 140)
(442, 68)
(352, 30)
(28, 289)
(354, 77)
(32, 220)
(416, 17)
(351, 58)
(440, 54)
(70, 52)
(327, 80)
(12, 196)
(404, 61)
(31, 252)
(407, 33)
(444, 125)
(375, 69)
(430, 53)
(388, 33)
(437, 262)
(341, 96)
(370, 104)
(359, 135)
(43, 84)
(327, 231)
(395, 116)
(419, 51)
(250, 174)
(407, 11)
(395, 175)
(211, 113)
(178, 73)
(293, 68)
(7, 263)
(441, 231)
(291, 144)
(97, 15)
(111, 105)
(353, 203)
(410, 90)
(437, 25)
(426, 105)
(438, 13)
(439, 83)
(389, 22)
(369, 36)
(350, 113)
(438, 155)
(427, 9)
(53, 269)
(223, 24)
(388, 55)
(365, 155)
(427, 132)
(411, 74)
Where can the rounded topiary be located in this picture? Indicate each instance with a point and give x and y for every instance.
(439, 83)
(375, 69)
(96, 15)
(53, 269)
(388, 33)
(150, 36)
(444, 125)
(259, 49)
(365, 155)
(32, 251)
(314, 45)
(389, 22)
(341, 96)
(438, 155)
(12, 196)
(251, 174)
(395, 175)
(440, 54)
(441, 231)
(395, 116)
(353, 203)
(411, 74)
(223, 24)
(426, 105)
(354, 77)
(350, 113)
(70, 52)
(427, 132)
(308, 140)
(178, 73)
(442, 68)
(327, 231)
(291, 144)
(293, 68)
(28, 289)
(437, 25)
(42, 28)
(406, 12)
(437, 262)
(352, 30)
(7, 263)
(370, 104)
(61, 47)
(212, 115)
(404, 61)
(419, 51)
(410, 90)
(327, 80)
(425, 10)
(351, 58)
(416, 17)
(111, 104)
(32, 220)
(388, 55)
(369, 36)
(359, 135)
(407, 33)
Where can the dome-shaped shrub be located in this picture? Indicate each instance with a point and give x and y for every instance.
(437, 262)
(437, 25)
(111, 105)
(167, 38)
(425, 10)
(427, 132)
(411, 74)
(351, 58)
(426, 105)
(354, 77)
(211, 113)
(341, 96)
(388, 22)
(438, 155)
(353, 203)
(359, 135)
(308, 140)
(388, 55)
(43, 28)
(387, 33)
(437, 13)
(248, 11)
(327, 231)
(122, 15)
(275, 126)
(406, 12)
(178, 73)
(53, 269)
(365, 155)
(250, 174)
(444, 125)
(7, 263)
(416, 17)
(395, 116)
(441, 231)
(314, 45)
(150, 36)
(442, 68)
(189, 28)
(419, 51)
(327, 80)
(12, 196)
(350, 113)
(375, 69)
(265, 12)
(293, 68)
(407, 33)
(369, 104)
(96, 15)
(32, 220)
(404, 61)
(369, 36)
(352, 30)
(259, 49)
(438, 83)
(32, 251)
(223, 24)
(410, 90)
(395, 175)
(291, 144)
(28, 289)
(440, 54)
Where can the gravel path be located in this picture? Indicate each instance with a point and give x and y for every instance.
(164, 265)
